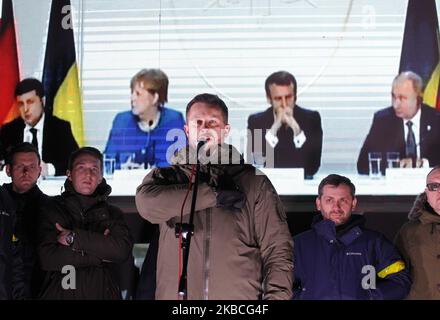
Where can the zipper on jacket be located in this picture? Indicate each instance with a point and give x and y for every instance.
(83, 218)
(339, 253)
(206, 253)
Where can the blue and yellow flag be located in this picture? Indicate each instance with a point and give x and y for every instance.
(60, 74)
(420, 48)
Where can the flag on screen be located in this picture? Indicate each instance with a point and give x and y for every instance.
(420, 48)
(60, 73)
(9, 70)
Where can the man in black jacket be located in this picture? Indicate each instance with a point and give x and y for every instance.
(11, 263)
(408, 127)
(83, 239)
(23, 166)
(51, 136)
(285, 135)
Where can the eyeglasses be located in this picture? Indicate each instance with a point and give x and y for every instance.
(434, 186)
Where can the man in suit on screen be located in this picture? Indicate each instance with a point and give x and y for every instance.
(408, 127)
(285, 135)
(51, 136)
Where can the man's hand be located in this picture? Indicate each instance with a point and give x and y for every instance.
(230, 199)
(278, 121)
(291, 122)
(61, 237)
(227, 193)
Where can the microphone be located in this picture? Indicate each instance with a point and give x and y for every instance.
(200, 143)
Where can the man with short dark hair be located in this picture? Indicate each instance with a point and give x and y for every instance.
(241, 247)
(80, 229)
(287, 132)
(339, 259)
(23, 166)
(51, 136)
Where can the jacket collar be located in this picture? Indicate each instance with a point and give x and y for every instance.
(422, 211)
(86, 202)
(28, 199)
(31, 193)
(346, 233)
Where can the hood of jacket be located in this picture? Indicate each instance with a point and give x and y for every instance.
(422, 211)
(101, 194)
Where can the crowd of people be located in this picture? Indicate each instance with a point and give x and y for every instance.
(72, 246)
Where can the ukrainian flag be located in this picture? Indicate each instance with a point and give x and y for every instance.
(60, 74)
(420, 48)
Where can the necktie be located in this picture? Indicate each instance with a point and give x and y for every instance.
(34, 137)
(411, 148)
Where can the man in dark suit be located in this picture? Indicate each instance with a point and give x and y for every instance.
(51, 136)
(285, 135)
(408, 127)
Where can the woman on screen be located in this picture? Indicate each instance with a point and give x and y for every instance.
(139, 137)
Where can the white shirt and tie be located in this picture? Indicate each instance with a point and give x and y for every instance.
(28, 137)
(415, 128)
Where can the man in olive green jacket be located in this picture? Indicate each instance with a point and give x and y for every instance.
(241, 247)
(418, 240)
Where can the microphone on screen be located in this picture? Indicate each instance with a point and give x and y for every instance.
(200, 143)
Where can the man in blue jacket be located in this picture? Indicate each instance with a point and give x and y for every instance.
(339, 259)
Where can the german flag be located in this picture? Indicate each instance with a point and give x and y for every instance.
(420, 48)
(60, 73)
(9, 70)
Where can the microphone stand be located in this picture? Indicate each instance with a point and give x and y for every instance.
(147, 146)
(187, 231)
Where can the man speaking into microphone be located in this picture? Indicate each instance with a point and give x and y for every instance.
(241, 247)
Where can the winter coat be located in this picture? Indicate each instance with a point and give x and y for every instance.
(93, 255)
(28, 206)
(419, 242)
(337, 263)
(12, 277)
(235, 253)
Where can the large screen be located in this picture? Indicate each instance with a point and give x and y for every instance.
(344, 55)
